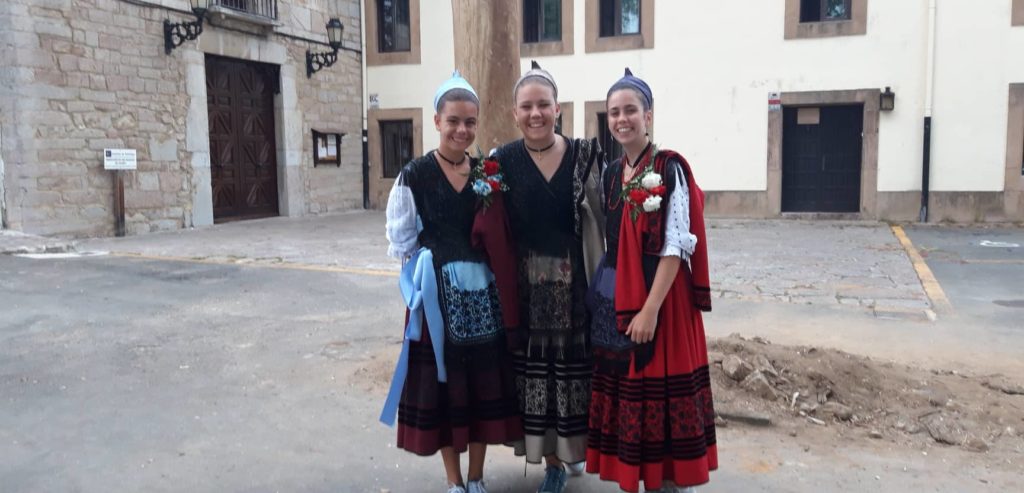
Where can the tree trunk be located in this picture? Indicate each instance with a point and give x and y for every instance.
(487, 37)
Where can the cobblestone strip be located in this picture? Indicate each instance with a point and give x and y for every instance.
(850, 264)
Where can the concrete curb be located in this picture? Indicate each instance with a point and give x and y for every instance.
(16, 243)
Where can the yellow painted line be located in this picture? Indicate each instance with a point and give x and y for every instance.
(931, 285)
(281, 265)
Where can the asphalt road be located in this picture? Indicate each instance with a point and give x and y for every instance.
(981, 271)
(127, 374)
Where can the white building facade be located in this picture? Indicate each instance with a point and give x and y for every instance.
(778, 105)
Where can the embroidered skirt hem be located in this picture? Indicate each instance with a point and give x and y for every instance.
(657, 423)
(476, 405)
(554, 399)
(570, 450)
(682, 473)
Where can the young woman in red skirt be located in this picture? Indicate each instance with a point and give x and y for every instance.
(651, 414)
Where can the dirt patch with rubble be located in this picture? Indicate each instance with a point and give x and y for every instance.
(809, 390)
(826, 396)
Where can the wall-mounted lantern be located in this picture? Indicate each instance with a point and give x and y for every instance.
(317, 61)
(887, 100)
(176, 34)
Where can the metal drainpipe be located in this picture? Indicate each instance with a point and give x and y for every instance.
(366, 170)
(365, 133)
(3, 189)
(929, 100)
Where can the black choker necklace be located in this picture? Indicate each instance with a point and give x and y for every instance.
(453, 163)
(638, 158)
(552, 144)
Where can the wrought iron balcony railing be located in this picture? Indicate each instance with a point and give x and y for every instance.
(260, 8)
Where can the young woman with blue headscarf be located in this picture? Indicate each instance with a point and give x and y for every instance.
(454, 387)
(651, 411)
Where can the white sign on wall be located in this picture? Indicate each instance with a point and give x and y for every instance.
(375, 100)
(774, 101)
(119, 159)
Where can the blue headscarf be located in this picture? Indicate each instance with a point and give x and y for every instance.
(633, 82)
(455, 82)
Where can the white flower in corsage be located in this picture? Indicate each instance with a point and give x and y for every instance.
(650, 180)
(645, 191)
(652, 203)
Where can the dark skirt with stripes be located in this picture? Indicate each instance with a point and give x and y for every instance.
(658, 423)
(476, 405)
(553, 368)
(554, 398)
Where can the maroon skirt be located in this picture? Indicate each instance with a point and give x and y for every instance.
(477, 404)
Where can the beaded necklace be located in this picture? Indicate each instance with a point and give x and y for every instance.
(618, 197)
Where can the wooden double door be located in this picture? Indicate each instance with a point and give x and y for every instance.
(243, 151)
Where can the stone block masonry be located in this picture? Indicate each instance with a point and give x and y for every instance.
(79, 76)
(74, 100)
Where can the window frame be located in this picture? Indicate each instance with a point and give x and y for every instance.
(565, 119)
(382, 28)
(856, 25)
(1013, 186)
(616, 23)
(597, 43)
(563, 46)
(822, 6)
(380, 187)
(373, 53)
(540, 21)
(1017, 13)
(404, 126)
(605, 138)
(592, 123)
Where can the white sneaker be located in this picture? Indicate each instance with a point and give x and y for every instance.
(670, 487)
(456, 489)
(476, 487)
(576, 469)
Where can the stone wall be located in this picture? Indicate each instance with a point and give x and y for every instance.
(330, 101)
(79, 76)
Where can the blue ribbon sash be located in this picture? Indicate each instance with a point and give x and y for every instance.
(419, 289)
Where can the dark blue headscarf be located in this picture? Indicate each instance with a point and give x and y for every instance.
(633, 82)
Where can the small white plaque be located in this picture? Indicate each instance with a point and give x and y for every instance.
(375, 100)
(119, 159)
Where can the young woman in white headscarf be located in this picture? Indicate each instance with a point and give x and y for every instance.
(454, 387)
(550, 179)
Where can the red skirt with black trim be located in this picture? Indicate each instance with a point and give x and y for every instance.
(657, 424)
